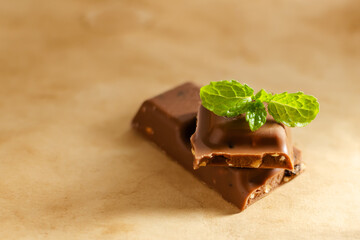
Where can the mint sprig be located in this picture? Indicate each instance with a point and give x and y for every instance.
(231, 98)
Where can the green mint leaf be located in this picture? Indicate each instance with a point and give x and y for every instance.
(263, 96)
(293, 109)
(226, 98)
(231, 98)
(256, 115)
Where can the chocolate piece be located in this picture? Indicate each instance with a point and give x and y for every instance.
(170, 119)
(221, 141)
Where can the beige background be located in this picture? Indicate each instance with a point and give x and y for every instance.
(73, 74)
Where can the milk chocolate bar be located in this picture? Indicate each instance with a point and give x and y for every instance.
(221, 141)
(169, 120)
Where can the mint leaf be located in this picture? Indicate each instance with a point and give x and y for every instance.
(293, 109)
(231, 98)
(226, 98)
(263, 96)
(256, 115)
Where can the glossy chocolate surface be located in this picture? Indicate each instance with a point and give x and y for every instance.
(170, 119)
(221, 141)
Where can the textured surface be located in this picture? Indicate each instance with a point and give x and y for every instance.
(74, 73)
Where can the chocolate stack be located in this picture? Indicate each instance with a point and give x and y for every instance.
(241, 165)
